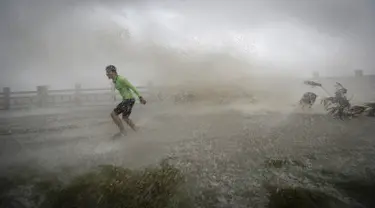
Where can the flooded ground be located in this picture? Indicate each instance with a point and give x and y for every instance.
(243, 155)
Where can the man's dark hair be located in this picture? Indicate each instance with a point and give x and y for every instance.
(111, 68)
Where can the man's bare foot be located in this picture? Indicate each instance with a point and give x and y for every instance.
(119, 135)
(135, 128)
(131, 124)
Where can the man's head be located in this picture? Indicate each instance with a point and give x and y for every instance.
(111, 71)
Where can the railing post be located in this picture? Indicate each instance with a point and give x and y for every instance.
(358, 73)
(42, 94)
(315, 74)
(6, 92)
(77, 94)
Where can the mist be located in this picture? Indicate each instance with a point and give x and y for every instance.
(224, 80)
(59, 43)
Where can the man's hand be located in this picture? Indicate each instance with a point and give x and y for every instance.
(143, 101)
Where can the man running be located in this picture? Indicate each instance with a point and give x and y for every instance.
(125, 89)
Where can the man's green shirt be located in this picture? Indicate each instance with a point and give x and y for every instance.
(125, 88)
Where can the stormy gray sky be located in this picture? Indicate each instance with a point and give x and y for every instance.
(61, 42)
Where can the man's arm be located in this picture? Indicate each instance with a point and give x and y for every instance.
(130, 86)
(126, 83)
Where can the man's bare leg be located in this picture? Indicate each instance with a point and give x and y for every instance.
(116, 119)
(131, 123)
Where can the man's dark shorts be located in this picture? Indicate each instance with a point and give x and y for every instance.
(125, 108)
